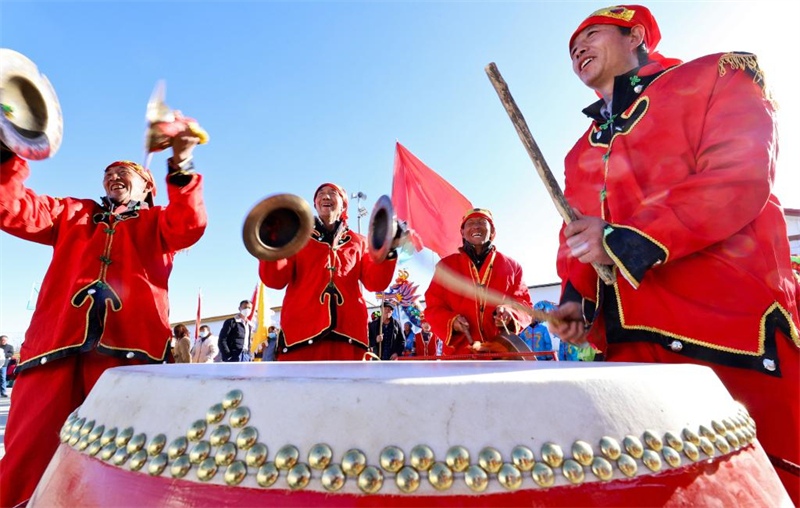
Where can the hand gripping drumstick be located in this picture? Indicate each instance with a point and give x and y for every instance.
(550, 183)
(458, 284)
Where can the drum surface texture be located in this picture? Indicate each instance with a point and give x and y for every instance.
(449, 433)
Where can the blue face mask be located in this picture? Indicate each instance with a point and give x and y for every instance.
(272, 335)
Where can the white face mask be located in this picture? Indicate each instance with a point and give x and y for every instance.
(244, 312)
(204, 334)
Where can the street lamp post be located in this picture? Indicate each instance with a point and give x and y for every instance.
(362, 212)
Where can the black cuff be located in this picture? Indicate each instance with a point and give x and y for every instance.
(633, 252)
(180, 175)
(588, 307)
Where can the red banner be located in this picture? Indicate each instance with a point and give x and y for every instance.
(428, 203)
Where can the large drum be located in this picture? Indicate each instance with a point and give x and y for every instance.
(453, 433)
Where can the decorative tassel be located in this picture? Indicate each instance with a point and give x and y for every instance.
(748, 62)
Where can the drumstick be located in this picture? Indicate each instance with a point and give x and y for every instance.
(550, 183)
(458, 284)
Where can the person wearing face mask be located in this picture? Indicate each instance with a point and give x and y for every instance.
(467, 324)
(324, 310)
(236, 334)
(268, 354)
(205, 348)
(103, 299)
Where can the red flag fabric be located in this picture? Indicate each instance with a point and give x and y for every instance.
(197, 319)
(428, 203)
(253, 301)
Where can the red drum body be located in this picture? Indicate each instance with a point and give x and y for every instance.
(499, 433)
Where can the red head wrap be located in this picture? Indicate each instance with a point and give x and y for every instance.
(143, 172)
(480, 212)
(339, 190)
(629, 16)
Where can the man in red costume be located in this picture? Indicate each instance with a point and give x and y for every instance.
(425, 342)
(467, 324)
(672, 186)
(324, 314)
(103, 302)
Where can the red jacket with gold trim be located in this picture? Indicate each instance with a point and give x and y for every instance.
(684, 177)
(422, 348)
(501, 274)
(106, 286)
(321, 281)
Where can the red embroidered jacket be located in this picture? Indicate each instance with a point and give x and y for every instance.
(499, 273)
(322, 280)
(683, 176)
(106, 286)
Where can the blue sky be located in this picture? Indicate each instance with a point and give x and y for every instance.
(296, 94)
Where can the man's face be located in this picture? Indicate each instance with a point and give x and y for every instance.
(123, 185)
(328, 203)
(386, 314)
(426, 327)
(601, 52)
(476, 231)
(245, 310)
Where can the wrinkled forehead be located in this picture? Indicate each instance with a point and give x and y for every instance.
(476, 221)
(327, 189)
(120, 169)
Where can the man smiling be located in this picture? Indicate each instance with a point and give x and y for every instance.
(672, 186)
(466, 324)
(103, 302)
(324, 312)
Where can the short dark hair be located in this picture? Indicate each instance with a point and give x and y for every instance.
(244, 302)
(641, 50)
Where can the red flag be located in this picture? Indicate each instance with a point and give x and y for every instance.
(197, 319)
(428, 203)
(253, 301)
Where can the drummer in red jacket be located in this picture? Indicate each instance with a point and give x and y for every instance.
(672, 183)
(467, 324)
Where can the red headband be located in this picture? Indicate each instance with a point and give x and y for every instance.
(629, 16)
(142, 171)
(340, 191)
(480, 212)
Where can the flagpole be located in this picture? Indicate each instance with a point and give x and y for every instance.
(198, 319)
(380, 326)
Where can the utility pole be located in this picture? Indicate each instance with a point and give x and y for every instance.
(362, 212)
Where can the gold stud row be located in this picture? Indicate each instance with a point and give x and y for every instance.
(212, 451)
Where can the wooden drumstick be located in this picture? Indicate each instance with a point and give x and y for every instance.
(550, 183)
(458, 284)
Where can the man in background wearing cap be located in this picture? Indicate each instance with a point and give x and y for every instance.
(464, 323)
(386, 338)
(324, 310)
(672, 186)
(103, 301)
